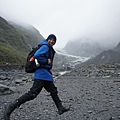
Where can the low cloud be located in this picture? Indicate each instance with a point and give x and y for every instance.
(69, 20)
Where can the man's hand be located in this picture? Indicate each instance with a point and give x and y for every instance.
(32, 59)
(49, 61)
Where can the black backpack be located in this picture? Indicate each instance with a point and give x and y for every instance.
(31, 66)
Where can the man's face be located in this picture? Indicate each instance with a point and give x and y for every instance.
(51, 41)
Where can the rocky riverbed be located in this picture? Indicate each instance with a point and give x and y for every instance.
(89, 98)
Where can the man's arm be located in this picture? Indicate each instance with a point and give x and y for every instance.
(42, 55)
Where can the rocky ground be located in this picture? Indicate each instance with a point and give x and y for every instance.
(90, 98)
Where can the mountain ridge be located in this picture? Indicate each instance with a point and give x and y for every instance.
(87, 46)
(106, 57)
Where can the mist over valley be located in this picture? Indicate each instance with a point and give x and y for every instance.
(75, 52)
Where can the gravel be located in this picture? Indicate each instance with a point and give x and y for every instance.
(88, 98)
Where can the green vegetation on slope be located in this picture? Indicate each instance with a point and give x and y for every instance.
(16, 41)
(10, 56)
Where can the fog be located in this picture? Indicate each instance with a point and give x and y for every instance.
(68, 20)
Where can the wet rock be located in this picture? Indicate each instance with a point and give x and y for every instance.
(2, 77)
(89, 98)
(18, 81)
(93, 71)
(4, 89)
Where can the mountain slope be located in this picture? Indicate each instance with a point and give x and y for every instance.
(86, 47)
(31, 34)
(16, 41)
(106, 57)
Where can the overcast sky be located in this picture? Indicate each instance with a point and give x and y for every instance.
(67, 19)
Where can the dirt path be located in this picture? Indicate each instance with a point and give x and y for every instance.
(89, 98)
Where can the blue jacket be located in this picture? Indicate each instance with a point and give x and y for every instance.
(42, 54)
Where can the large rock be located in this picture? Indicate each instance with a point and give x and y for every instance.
(4, 89)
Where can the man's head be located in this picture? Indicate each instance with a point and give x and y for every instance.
(51, 39)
